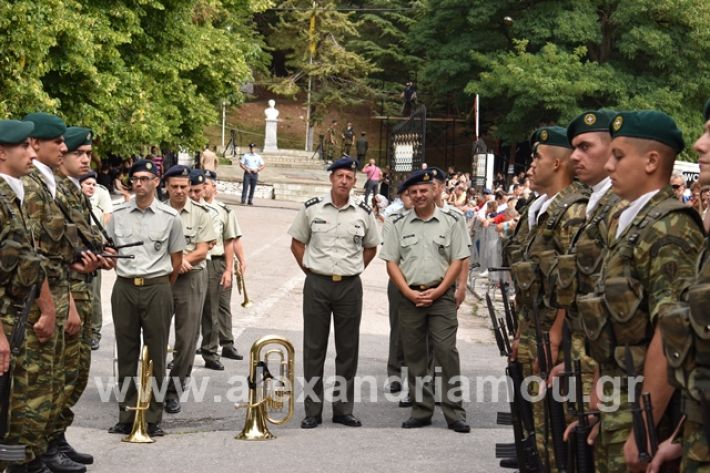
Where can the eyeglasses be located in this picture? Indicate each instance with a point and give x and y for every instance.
(141, 179)
(676, 186)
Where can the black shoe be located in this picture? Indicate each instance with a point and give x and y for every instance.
(460, 426)
(311, 422)
(172, 405)
(394, 387)
(413, 423)
(231, 353)
(214, 365)
(251, 203)
(171, 365)
(509, 463)
(407, 401)
(35, 466)
(120, 428)
(348, 419)
(154, 430)
(95, 344)
(64, 447)
(60, 463)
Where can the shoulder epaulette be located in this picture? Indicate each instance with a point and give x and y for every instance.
(365, 207)
(121, 206)
(397, 217)
(451, 214)
(659, 211)
(168, 210)
(223, 205)
(101, 186)
(312, 201)
(201, 206)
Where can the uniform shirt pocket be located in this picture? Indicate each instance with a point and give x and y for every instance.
(322, 234)
(158, 240)
(442, 244)
(357, 233)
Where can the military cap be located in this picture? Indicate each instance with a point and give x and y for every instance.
(553, 136)
(209, 174)
(535, 137)
(47, 126)
(143, 165)
(252, 145)
(177, 171)
(14, 132)
(422, 176)
(590, 121)
(438, 173)
(648, 125)
(401, 188)
(88, 175)
(707, 110)
(76, 136)
(197, 177)
(346, 162)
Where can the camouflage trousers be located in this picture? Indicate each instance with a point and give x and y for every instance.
(77, 361)
(35, 391)
(696, 454)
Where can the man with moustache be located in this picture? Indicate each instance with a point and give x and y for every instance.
(653, 245)
(333, 241)
(27, 424)
(686, 346)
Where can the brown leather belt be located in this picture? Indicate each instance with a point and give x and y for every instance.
(139, 282)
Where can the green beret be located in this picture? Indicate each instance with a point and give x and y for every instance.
(553, 136)
(648, 125)
(13, 132)
(76, 136)
(47, 126)
(535, 137)
(590, 121)
(707, 110)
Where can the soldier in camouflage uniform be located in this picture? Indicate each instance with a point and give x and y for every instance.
(558, 220)
(653, 244)
(77, 348)
(685, 339)
(21, 268)
(54, 237)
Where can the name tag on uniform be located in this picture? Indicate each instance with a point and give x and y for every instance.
(319, 220)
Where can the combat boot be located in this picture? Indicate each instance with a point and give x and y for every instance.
(64, 447)
(58, 462)
(35, 466)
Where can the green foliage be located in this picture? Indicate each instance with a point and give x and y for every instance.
(137, 72)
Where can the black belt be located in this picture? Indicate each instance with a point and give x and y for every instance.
(139, 282)
(334, 277)
(424, 287)
(217, 256)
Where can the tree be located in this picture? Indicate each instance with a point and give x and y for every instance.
(338, 75)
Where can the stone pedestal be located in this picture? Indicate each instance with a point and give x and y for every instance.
(270, 138)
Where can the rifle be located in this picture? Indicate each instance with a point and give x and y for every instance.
(567, 357)
(555, 413)
(639, 427)
(521, 415)
(511, 318)
(14, 453)
(583, 452)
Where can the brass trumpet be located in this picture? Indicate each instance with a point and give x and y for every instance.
(274, 392)
(241, 284)
(139, 432)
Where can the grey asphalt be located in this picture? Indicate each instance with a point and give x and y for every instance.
(201, 437)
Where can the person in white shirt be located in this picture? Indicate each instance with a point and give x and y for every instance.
(252, 164)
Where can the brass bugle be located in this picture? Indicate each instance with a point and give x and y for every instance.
(139, 432)
(241, 285)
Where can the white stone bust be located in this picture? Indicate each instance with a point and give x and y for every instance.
(271, 112)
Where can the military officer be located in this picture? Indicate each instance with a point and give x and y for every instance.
(31, 372)
(686, 347)
(334, 239)
(653, 245)
(190, 288)
(220, 270)
(77, 347)
(424, 250)
(142, 297)
(55, 238)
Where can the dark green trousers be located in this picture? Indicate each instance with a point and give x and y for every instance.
(226, 336)
(96, 311)
(144, 309)
(395, 359)
(343, 299)
(438, 324)
(210, 311)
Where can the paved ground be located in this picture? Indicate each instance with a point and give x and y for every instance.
(201, 437)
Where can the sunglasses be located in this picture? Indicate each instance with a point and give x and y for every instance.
(676, 186)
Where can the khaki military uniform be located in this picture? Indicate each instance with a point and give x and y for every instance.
(424, 250)
(334, 239)
(142, 300)
(226, 336)
(535, 275)
(55, 238)
(685, 340)
(644, 269)
(189, 292)
(77, 348)
(21, 267)
(395, 358)
(226, 230)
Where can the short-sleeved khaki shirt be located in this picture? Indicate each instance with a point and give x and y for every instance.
(424, 249)
(335, 237)
(197, 227)
(160, 229)
(225, 225)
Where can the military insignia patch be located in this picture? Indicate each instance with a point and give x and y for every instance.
(149, 166)
(590, 119)
(544, 135)
(185, 172)
(88, 136)
(425, 177)
(618, 121)
(157, 245)
(434, 172)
